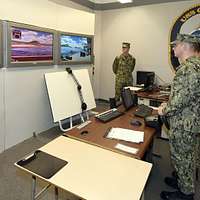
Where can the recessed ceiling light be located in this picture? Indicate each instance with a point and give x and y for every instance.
(125, 1)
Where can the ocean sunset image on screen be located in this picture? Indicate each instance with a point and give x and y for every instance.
(30, 45)
(75, 48)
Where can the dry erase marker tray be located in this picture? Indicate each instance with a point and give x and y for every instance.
(42, 164)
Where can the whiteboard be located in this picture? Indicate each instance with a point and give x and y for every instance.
(64, 96)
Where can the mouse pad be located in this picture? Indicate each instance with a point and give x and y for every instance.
(42, 164)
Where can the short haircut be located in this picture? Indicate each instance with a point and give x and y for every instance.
(195, 47)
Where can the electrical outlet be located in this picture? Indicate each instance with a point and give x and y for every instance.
(34, 134)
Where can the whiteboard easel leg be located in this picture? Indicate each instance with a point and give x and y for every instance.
(64, 130)
(87, 115)
(71, 123)
(82, 118)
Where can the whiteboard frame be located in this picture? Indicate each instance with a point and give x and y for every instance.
(63, 94)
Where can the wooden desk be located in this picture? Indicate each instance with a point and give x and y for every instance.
(154, 98)
(95, 173)
(96, 131)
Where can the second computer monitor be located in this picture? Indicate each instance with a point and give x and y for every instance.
(128, 98)
(146, 78)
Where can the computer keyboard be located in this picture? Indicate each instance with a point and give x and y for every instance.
(143, 111)
(109, 115)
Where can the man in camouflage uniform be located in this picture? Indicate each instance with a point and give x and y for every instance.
(183, 112)
(123, 67)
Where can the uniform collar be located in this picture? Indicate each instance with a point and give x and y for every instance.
(187, 60)
(191, 58)
(123, 56)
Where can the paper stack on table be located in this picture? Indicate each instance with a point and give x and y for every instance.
(126, 148)
(126, 135)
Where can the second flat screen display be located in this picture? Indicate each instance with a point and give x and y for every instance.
(75, 48)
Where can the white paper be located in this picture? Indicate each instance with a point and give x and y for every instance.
(133, 88)
(126, 135)
(155, 108)
(126, 148)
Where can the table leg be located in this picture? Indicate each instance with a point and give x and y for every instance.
(56, 193)
(142, 196)
(35, 196)
(33, 188)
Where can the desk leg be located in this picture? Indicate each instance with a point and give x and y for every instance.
(150, 151)
(56, 193)
(33, 188)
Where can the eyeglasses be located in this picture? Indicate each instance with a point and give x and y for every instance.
(175, 44)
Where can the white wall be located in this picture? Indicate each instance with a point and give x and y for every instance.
(47, 14)
(27, 108)
(97, 53)
(147, 28)
(2, 109)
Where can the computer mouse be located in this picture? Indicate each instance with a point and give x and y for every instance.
(135, 122)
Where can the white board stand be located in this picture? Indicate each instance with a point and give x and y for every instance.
(63, 129)
(82, 118)
(71, 122)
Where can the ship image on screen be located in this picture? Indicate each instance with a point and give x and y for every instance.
(31, 45)
(75, 48)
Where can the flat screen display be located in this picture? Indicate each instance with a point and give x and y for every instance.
(31, 45)
(74, 48)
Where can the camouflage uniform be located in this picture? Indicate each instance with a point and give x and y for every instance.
(198, 155)
(123, 67)
(198, 147)
(183, 112)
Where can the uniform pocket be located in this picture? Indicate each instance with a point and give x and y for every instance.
(191, 124)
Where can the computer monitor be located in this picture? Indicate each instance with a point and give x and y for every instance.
(128, 99)
(75, 48)
(146, 78)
